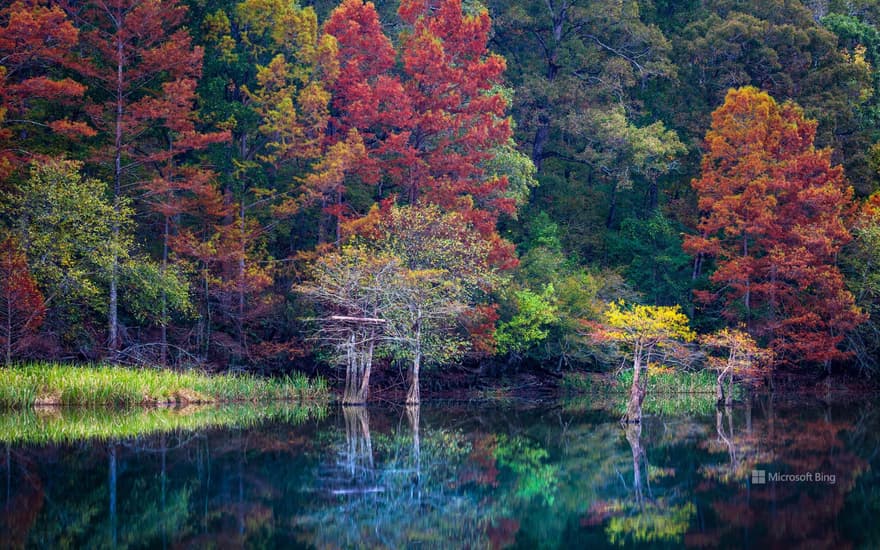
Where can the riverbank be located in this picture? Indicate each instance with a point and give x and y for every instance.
(49, 384)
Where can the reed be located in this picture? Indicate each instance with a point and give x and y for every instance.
(36, 384)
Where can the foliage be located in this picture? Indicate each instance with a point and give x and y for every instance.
(22, 306)
(774, 210)
(651, 252)
(644, 327)
(859, 263)
(529, 326)
(35, 35)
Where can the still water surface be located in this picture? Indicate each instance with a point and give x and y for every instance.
(512, 474)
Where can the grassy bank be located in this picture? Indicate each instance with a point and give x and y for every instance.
(26, 386)
(68, 425)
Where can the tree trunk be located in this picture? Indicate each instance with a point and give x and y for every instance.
(612, 208)
(412, 397)
(8, 331)
(242, 268)
(364, 392)
(112, 309)
(636, 394)
(728, 399)
(542, 136)
(348, 397)
(653, 197)
(164, 323)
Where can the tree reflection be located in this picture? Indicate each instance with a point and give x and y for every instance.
(785, 439)
(646, 514)
(447, 476)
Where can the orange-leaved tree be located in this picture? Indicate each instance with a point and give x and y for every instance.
(142, 69)
(740, 356)
(772, 216)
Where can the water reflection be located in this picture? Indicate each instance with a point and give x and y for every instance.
(522, 475)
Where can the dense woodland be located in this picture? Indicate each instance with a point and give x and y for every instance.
(255, 183)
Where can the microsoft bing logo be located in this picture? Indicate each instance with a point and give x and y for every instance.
(759, 477)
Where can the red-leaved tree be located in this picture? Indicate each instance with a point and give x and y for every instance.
(22, 308)
(34, 35)
(429, 126)
(773, 210)
(142, 69)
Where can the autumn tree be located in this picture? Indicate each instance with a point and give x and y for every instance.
(773, 210)
(641, 331)
(143, 69)
(348, 285)
(432, 127)
(22, 307)
(446, 269)
(402, 281)
(740, 356)
(34, 36)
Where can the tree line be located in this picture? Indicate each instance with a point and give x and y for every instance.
(244, 183)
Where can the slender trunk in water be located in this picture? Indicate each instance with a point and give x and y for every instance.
(412, 397)
(634, 407)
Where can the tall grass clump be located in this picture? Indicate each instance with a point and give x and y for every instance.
(69, 425)
(674, 382)
(34, 384)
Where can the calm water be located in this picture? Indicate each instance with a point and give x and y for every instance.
(523, 475)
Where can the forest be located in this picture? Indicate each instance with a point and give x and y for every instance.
(502, 185)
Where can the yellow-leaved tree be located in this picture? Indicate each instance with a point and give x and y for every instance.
(640, 330)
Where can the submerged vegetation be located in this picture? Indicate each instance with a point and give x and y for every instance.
(24, 386)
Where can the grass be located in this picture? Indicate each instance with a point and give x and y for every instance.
(592, 383)
(659, 383)
(35, 384)
(669, 393)
(674, 382)
(69, 425)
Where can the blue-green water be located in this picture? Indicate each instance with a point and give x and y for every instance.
(512, 474)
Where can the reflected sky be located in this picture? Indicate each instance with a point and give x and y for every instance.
(769, 472)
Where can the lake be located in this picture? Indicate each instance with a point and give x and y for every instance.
(773, 471)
